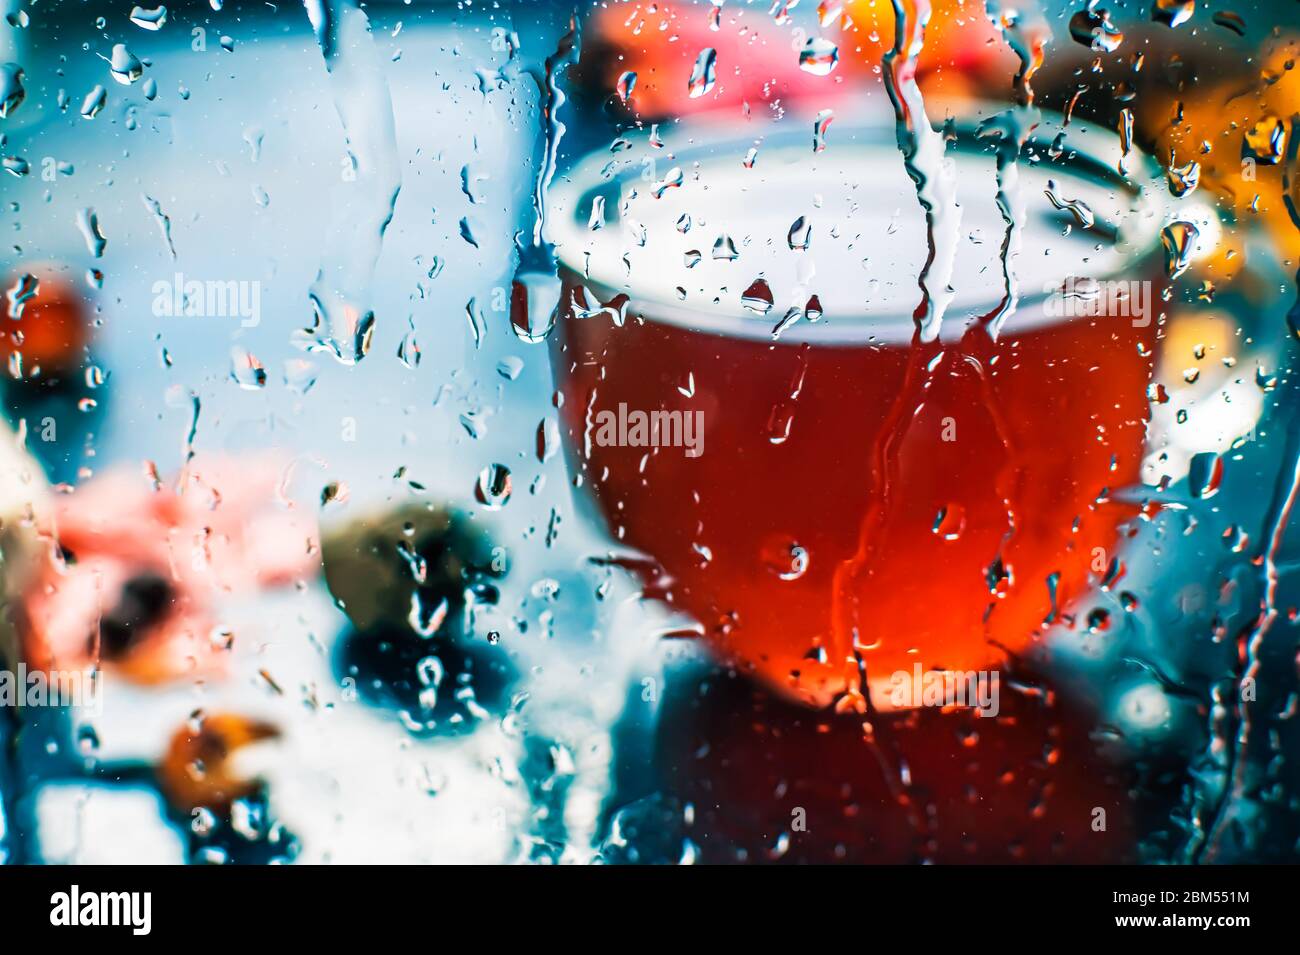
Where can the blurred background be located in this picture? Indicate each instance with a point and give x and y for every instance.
(283, 461)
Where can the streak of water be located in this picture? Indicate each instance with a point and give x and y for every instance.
(535, 289)
(923, 149)
(1247, 759)
(1027, 38)
(343, 319)
(923, 157)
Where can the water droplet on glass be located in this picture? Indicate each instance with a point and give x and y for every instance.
(758, 297)
(246, 370)
(24, 289)
(426, 617)
(1095, 30)
(1177, 239)
(791, 316)
(149, 19)
(1172, 13)
(1265, 141)
(408, 350)
(1083, 215)
(124, 66)
(12, 90)
(1125, 139)
(818, 56)
(94, 102)
(493, 487)
(828, 11)
(820, 125)
(812, 309)
(626, 85)
(534, 305)
(335, 492)
(950, 522)
(1183, 179)
(674, 179)
(1205, 474)
(800, 234)
(704, 73)
(1230, 21)
(88, 224)
(1098, 620)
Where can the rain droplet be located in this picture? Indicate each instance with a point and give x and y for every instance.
(1125, 139)
(1098, 620)
(791, 316)
(246, 370)
(704, 73)
(426, 618)
(828, 11)
(1265, 141)
(350, 336)
(163, 222)
(534, 305)
(548, 440)
(335, 492)
(510, 367)
(408, 350)
(1230, 21)
(88, 223)
(25, 288)
(800, 234)
(1172, 13)
(12, 91)
(596, 220)
(820, 124)
(493, 487)
(1083, 215)
(124, 66)
(1178, 238)
(1205, 474)
(1183, 179)
(94, 102)
(626, 85)
(758, 297)
(812, 309)
(674, 179)
(950, 522)
(149, 19)
(818, 56)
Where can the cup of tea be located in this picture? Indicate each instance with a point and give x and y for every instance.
(842, 505)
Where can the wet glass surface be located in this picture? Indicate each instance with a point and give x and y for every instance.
(669, 432)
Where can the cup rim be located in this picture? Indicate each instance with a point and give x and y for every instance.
(1091, 152)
